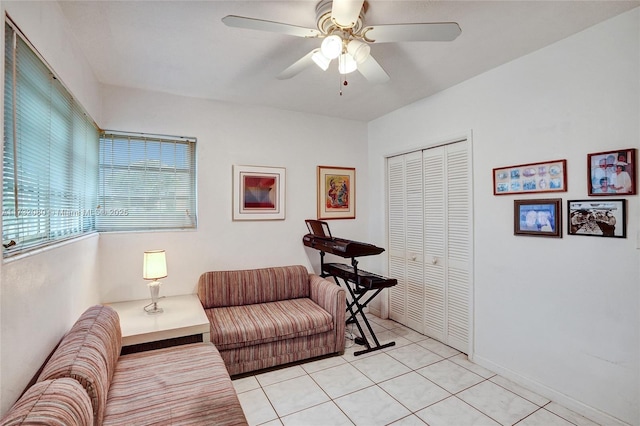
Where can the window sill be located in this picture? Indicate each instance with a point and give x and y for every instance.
(29, 253)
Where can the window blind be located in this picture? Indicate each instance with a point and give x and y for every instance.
(147, 182)
(50, 162)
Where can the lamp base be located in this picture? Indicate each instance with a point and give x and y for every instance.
(152, 308)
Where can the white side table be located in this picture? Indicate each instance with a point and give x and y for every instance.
(183, 316)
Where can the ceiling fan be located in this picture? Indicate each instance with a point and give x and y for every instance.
(346, 38)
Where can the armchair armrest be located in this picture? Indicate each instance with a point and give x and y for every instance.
(333, 299)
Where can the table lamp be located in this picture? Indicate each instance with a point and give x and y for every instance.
(153, 268)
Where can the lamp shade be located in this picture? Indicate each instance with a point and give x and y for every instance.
(331, 46)
(154, 265)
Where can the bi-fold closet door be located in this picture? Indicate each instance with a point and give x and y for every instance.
(429, 234)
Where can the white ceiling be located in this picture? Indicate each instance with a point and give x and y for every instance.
(182, 47)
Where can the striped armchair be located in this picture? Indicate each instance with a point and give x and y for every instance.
(262, 318)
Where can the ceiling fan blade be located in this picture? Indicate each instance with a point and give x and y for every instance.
(372, 71)
(437, 31)
(345, 13)
(298, 66)
(274, 27)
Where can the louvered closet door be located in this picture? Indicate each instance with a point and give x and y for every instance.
(414, 242)
(434, 243)
(430, 242)
(406, 300)
(396, 215)
(446, 246)
(458, 246)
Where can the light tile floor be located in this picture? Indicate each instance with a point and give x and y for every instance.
(416, 382)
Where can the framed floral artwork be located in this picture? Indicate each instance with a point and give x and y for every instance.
(258, 193)
(336, 193)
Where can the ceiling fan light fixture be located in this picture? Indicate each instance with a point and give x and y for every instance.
(359, 50)
(331, 46)
(321, 60)
(346, 64)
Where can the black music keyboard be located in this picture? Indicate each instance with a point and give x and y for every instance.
(362, 279)
(341, 247)
(320, 238)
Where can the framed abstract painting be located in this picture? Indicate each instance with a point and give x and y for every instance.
(336, 192)
(258, 193)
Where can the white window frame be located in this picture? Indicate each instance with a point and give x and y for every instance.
(146, 182)
(50, 159)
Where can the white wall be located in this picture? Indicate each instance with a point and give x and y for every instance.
(43, 294)
(229, 134)
(558, 315)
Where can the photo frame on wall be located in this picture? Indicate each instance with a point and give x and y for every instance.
(258, 193)
(597, 218)
(541, 218)
(550, 176)
(336, 193)
(612, 172)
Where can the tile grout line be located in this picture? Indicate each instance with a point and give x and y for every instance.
(350, 359)
(332, 399)
(375, 383)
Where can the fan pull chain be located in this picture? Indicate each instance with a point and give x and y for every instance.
(340, 77)
(342, 83)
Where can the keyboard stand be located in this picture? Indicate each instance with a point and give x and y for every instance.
(359, 283)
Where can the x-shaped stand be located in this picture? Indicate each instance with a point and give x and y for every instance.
(355, 307)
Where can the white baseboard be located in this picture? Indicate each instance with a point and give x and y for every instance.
(549, 393)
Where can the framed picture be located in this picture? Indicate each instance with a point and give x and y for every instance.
(541, 218)
(605, 218)
(258, 193)
(336, 193)
(612, 172)
(529, 178)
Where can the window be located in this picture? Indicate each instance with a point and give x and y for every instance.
(147, 182)
(50, 162)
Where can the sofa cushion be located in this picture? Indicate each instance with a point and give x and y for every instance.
(180, 385)
(237, 326)
(89, 353)
(60, 402)
(246, 287)
(279, 352)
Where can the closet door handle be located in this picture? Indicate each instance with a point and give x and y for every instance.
(434, 260)
(413, 257)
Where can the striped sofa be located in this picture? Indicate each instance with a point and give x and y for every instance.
(262, 318)
(87, 382)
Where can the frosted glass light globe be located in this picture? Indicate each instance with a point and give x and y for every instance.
(331, 46)
(359, 50)
(346, 64)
